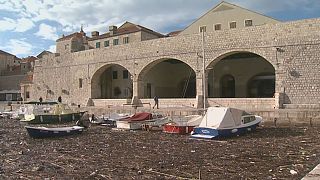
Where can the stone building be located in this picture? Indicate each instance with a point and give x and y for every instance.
(227, 16)
(10, 76)
(14, 72)
(8, 62)
(261, 64)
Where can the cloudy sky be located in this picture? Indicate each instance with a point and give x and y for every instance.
(27, 27)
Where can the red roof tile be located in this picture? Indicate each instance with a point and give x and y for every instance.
(174, 33)
(28, 59)
(127, 28)
(70, 36)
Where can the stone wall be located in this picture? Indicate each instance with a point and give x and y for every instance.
(292, 48)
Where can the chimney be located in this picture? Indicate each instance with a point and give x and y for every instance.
(95, 33)
(112, 30)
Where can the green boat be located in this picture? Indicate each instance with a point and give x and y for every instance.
(49, 113)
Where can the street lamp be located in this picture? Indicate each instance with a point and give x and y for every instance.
(203, 72)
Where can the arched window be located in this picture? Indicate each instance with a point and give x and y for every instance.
(227, 84)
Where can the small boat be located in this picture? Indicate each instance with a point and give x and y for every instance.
(6, 114)
(48, 113)
(46, 132)
(136, 121)
(110, 120)
(222, 122)
(156, 123)
(174, 128)
(182, 125)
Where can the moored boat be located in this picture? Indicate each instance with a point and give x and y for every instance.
(182, 125)
(174, 128)
(109, 120)
(47, 113)
(136, 121)
(222, 122)
(46, 132)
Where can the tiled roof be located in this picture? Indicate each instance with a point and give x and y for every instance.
(174, 33)
(131, 28)
(70, 36)
(28, 59)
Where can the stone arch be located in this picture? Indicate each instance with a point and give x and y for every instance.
(243, 66)
(111, 81)
(220, 56)
(167, 78)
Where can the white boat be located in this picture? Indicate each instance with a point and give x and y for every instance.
(109, 120)
(224, 122)
(189, 120)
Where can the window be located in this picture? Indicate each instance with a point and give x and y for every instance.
(203, 29)
(66, 46)
(80, 83)
(125, 40)
(106, 43)
(248, 23)
(116, 42)
(217, 27)
(125, 74)
(27, 94)
(114, 74)
(97, 44)
(233, 25)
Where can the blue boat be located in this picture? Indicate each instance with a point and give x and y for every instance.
(46, 132)
(220, 122)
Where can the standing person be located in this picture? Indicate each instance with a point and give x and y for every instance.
(59, 99)
(156, 102)
(40, 99)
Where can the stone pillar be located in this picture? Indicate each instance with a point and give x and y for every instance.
(137, 91)
(199, 88)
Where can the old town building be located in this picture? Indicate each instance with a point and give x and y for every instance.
(231, 56)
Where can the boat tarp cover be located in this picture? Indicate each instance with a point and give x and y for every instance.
(140, 117)
(222, 117)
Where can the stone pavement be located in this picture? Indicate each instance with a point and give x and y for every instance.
(314, 174)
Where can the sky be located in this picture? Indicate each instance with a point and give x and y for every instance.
(28, 27)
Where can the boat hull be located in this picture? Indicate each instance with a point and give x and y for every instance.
(129, 125)
(52, 118)
(138, 125)
(43, 132)
(212, 133)
(177, 129)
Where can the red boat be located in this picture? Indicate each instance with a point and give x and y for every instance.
(175, 128)
(182, 125)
